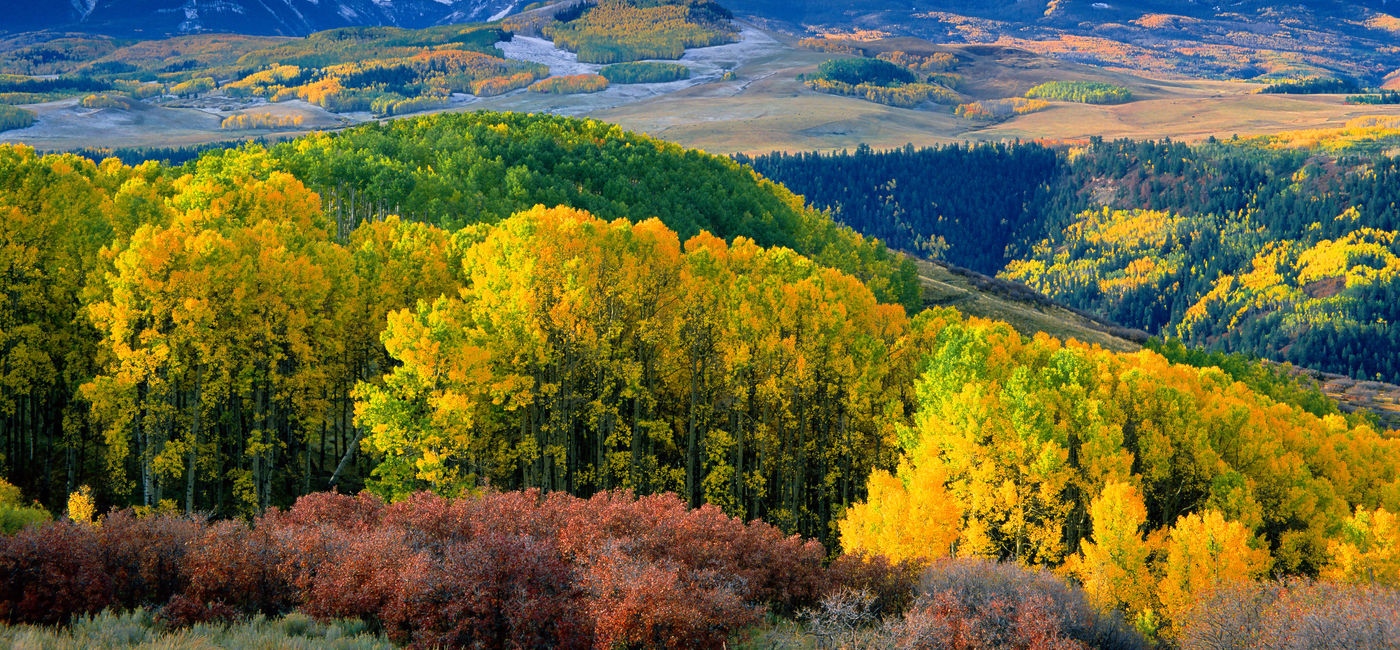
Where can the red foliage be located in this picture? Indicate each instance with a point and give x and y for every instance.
(768, 567)
(517, 569)
(236, 565)
(183, 610)
(49, 573)
(496, 590)
(636, 602)
(351, 513)
(145, 556)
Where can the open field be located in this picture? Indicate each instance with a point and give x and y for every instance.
(65, 125)
(767, 109)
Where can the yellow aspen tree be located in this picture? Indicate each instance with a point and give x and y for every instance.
(906, 517)
(1368, 550)
(1114, 566)
(1205, 551)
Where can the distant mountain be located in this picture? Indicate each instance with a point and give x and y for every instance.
(155, 18)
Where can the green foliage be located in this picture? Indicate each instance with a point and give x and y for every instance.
(14, 513)
(645, 72)
(298, 286)
(1032, 434)
(902, 95)
(356, 44)
(14, 518)
(389, 71)
(458, 169)
(1311, 86)
(911, 198)
(1084, 92)
(28, 98)
(1280, 247)
(389, 105)
(1262, 377)
(1385, 97)
(587, 355)
(14, 117)
(13, 83)
(880, 81)
(874, 72)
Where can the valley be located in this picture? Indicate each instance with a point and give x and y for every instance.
(762, 107)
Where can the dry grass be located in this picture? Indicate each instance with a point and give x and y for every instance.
(139, 629)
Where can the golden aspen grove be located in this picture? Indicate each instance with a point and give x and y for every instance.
(490, 380)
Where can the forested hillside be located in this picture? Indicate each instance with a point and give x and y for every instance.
(563, 365)
(197, 333)
(1252, 245)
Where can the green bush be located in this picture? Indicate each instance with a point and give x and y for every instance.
(13, 518)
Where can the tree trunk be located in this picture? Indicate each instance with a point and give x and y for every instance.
(194, 440)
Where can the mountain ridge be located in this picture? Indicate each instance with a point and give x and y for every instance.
(153, 18)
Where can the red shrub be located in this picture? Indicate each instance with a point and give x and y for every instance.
(362, 576)
(635, 602)
(518, 569)
(145, 556)
(767, 566)
(183, 611)
(50, 572)
(352, 513)
(496, 590)
(237, 566)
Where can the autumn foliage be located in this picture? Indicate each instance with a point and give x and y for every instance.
(496, 569)
(968, 604)
(14, 117)
(617, 31)
(571, 84)
(1065, 455)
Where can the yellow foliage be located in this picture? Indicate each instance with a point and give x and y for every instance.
(1368, 550)
(570, 84)
(1205, 551)
(9, 494)
(909, 517)
(82, 508)
(1114, 567)
(262, 121)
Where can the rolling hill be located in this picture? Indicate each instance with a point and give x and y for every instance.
(1240, 39)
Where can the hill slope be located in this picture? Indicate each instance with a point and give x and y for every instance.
(1240, 39)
